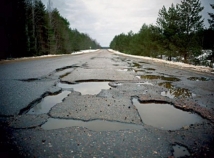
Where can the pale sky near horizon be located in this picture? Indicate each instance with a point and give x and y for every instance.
(103, 19)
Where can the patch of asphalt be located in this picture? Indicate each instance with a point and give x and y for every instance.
(81, 142)
(16, 95)
(197, 138)
(89, 107)
(28, 121)
(130, 89)
(96, 74)
(104, 63)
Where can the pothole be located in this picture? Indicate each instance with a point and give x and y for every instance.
(66, 67)
(175, 92)
(136, 65)
(115, 84)
(143, 62)
(95, 125)
(165, 116)
(48, 102)
(144, 83)
(139, 70)
(166, 78)
(125, 70)
(198, 78)
(64, 75)
(84, 88)
(180, 151)
(151, 69)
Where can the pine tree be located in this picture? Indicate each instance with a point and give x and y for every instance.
(190, 22)
(168, 21)
(211, 21)
(41, 31)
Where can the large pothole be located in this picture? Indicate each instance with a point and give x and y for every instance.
(153, 77)
(175, 92)
(165, 116)
(48, 102)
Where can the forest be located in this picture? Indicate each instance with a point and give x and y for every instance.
(28, 28)
(179, 34)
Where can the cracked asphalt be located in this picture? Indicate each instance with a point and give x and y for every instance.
(25, 83)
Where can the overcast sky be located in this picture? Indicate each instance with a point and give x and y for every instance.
(103, 19)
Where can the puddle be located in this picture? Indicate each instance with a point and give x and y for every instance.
(125, 70)
(152, 77)
(165, 116)
(144, 83)
(96, 125)
(180, 151)
(64, 75)
(48, 102)
(84, 88)
(150, 69)
(138, 77)
(137, 65)
(115, 84)
(175, 92)
(148, 72)
(198, 78)
(139, 70)
(143, 62)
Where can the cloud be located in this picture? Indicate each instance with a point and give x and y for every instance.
(103, 19)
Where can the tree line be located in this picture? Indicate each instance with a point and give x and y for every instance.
(179, 32)
(29, 29)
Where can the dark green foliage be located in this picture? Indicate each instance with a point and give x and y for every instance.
(168, 21)
(28, 29)
(142, 43)
(179, 33)
(211, 20)
(190, 23)
(211, 32)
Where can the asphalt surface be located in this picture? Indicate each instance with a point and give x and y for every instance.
(25, 84)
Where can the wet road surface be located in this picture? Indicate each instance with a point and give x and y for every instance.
(104, 105)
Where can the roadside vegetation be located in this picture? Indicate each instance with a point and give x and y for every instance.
(179, 35)
(29, 29)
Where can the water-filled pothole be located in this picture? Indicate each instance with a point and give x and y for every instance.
(137, 65)
(180, 151)
(166, 78)
(165, 116)
(174, 92)
(139, 70)
(144, 83)
(125, 70)
(115, 84)
(142, 62)
(151, 69)
(95, 125)
(84, 88)
(198, 78)
(48, 102)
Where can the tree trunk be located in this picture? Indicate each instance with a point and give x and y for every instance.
(185, 58)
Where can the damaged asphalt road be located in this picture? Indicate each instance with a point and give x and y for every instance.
(104, 105)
